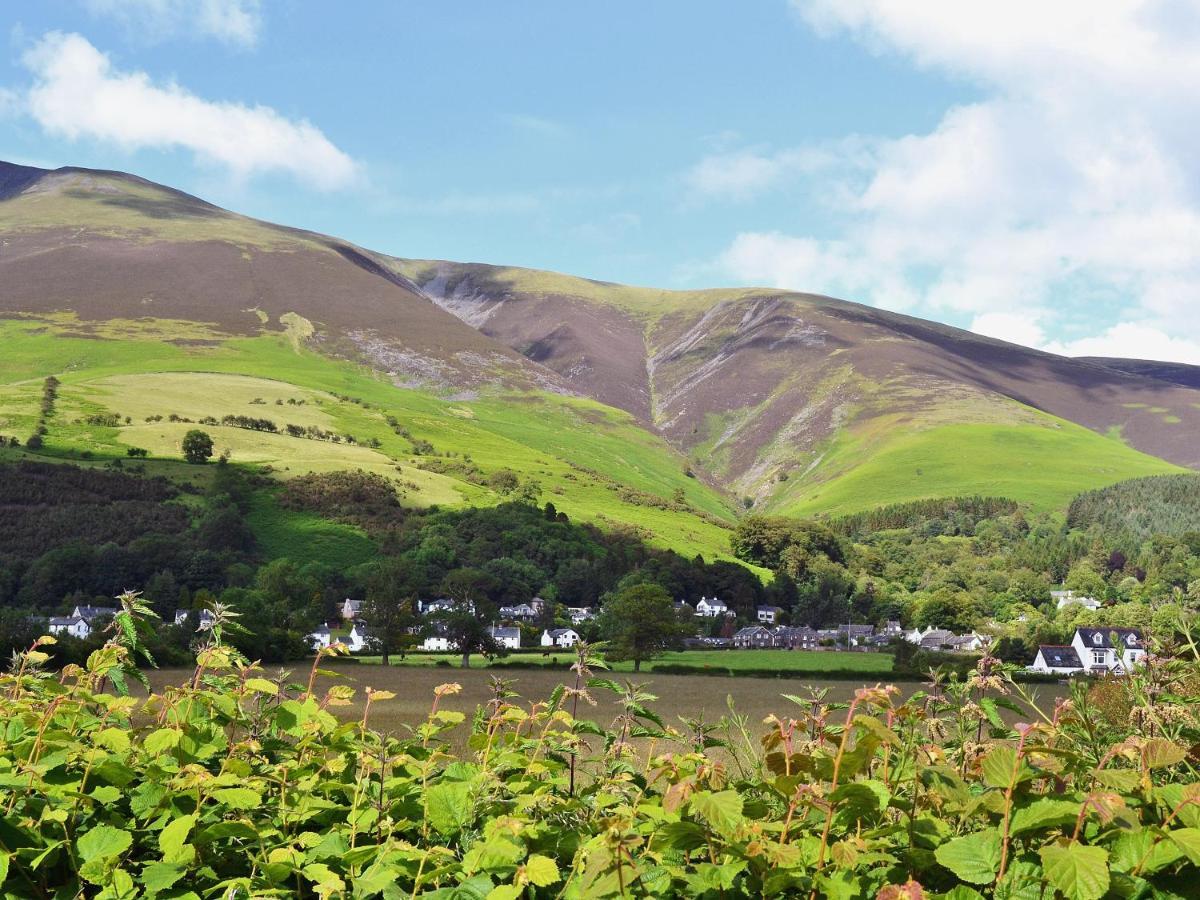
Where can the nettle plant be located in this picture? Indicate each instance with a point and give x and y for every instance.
(236, 784)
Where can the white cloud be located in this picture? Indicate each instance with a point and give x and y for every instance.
(10, 102)
(78, 94)
(743, 173)
(1075, 177)
(1133, 340)
(235, 22)
(1016, 328)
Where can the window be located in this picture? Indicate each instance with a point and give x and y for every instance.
(1099, 657)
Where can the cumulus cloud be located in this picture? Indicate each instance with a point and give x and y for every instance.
(236, 22)
(78, 94)
(1070, 193)
(740, 174)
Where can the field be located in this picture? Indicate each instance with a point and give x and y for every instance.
(678, 695)
(1042, 466)
(798, 662)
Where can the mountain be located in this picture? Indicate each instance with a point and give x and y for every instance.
(1174, 373)
(663, 411)
(760, 384)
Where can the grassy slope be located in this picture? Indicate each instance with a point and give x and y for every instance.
(577, 449)
(1041, 465)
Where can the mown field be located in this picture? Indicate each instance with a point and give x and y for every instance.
(798, 662)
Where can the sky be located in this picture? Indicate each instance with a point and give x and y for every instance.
(1024, 169)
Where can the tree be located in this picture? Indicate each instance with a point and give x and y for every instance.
(390, 609)
(640, 623)
(197, 447)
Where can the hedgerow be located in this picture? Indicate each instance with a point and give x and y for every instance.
(240, 784)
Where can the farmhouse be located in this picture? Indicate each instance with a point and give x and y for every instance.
(358, 638)
(439, 643)
(506, 636)
(320, 638)
(1063, 599)
(1094, 651)
(797, 638)
(72, 625)
(711, 608)
(560, 637)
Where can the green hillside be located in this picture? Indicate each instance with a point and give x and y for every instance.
(591, 461)
(1042, 466)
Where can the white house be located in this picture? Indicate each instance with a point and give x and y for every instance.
(91, 613)
(1093, 651)
(579, 614)
(711, 607)
(967, 643)
(560, 637)
(351, 609)
(1109, 649)
(320, 638)
(439, 643)
(506, 636)
(523, 611)
(1068, 598)
(441, 604)
(1056, 660)
(72, 625)
(358, 638)
(769, 615)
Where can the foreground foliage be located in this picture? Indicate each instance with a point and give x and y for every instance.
(237, 784)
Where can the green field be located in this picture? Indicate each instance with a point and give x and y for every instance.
(790, 662)
(579, 451)
(1039, 465)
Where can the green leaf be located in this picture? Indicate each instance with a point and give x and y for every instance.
(173, 838)
(974, 858)
(238, 798)
(1079, 871)
(1043, 813)
(158, 876)
(504, 892)
(262, 686)
(1187, 840)
(998, 766)
(3, 867)
(102, 842)
(162, 739)
(449, 805)
(722, 810)
(542, 870)
(114, 739)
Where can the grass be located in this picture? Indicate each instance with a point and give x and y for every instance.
(1040, 465)
(792, 662)
(578, 450)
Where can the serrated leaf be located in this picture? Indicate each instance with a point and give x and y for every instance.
(1187, 840)
(162, 739)
(103, 842)
(449, 805)
(721, 809)
(975, 858)
(1043, 813)
(237, 798)
(541, 870)
(173, 838)
(1079, 871)
(159, 876)
(1158, 753)
(262, 686)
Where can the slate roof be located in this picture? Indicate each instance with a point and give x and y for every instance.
(1060, 657)
(1102, 638)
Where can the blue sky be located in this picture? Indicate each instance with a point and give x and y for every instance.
(996, 168)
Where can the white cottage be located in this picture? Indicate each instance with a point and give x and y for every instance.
(712, 607)
(75, 626)
(506, 636)
(560, 637)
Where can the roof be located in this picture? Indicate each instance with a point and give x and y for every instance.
(777, 609)
(323, 629)
(503, 631)
(91, 612)
(751, 629)
(1103, 637)
(65, 621)
(1058, 657)
(558, 632)
(713, 601)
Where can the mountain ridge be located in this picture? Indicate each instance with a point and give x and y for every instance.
(780, 397)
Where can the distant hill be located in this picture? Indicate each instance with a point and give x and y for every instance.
(663, 411)
(1174, 373)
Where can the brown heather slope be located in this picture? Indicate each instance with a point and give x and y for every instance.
(105, 245)
(758, 382)
(1176, 373)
